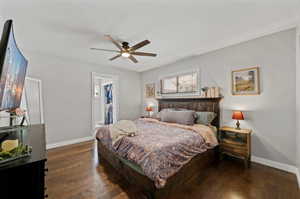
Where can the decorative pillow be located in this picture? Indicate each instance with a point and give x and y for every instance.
(205, 118)
(157, 115)
(180, 117)
(168, 109)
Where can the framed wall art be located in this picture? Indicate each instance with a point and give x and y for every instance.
(246, 81)
(150, 90)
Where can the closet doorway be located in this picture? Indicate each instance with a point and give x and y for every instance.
(105, 99)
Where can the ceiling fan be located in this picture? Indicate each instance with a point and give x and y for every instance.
(127, 51)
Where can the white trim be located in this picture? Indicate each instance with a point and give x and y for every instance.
(69, 142)
(274, 164)
(281, 166)
(115, 81)
(298, 177)
(297, 100)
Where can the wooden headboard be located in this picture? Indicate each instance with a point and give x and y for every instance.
(196, 104)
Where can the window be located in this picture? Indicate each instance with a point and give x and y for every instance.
(185, 83)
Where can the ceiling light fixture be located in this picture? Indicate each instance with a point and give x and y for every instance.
(125, 54)
(127, 51)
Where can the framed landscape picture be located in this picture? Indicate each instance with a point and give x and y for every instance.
(150, 90)
(245, 81)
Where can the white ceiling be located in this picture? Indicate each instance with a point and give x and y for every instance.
(177, 28)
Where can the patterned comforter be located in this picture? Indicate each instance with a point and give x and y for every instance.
(159, 148)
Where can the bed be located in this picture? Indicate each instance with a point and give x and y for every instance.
(190, 168)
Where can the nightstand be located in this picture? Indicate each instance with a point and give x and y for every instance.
(236, 142)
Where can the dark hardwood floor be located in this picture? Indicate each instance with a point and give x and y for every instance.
(74, 173)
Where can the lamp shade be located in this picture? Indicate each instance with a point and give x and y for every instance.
(237, 115)
(149, 108)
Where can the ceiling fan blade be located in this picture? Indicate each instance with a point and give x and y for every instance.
(140, 45)
(144, 54)
(105, 50)
(133, 59)
(115, 57)
(114, 41)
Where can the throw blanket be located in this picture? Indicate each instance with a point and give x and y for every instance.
(203, 130)
(160, 149)
(120, 129)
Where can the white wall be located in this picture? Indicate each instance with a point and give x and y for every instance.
(67, 94)
(272, 113)
(298, 101)
(97, 104)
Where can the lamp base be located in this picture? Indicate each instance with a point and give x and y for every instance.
(238, 125)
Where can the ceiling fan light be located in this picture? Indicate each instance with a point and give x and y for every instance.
(125, 54)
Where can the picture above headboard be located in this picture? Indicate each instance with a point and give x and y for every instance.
(196, 104)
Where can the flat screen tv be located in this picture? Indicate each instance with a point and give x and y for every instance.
(13, 67)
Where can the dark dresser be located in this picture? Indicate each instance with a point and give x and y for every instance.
(26, 178)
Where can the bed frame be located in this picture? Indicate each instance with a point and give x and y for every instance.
(189, 171)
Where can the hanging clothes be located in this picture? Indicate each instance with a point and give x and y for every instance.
(108, 104)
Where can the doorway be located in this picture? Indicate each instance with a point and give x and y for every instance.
(105, 99)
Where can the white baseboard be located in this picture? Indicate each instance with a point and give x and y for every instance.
(68, 142)
(298, 177)
(274, 164)
(278, 165)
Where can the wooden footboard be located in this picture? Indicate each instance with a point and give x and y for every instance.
(194, 168)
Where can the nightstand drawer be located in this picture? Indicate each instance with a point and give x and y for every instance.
(234, 145)
(234, 150)
(233, 137)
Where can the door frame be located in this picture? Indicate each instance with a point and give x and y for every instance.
(115, 81)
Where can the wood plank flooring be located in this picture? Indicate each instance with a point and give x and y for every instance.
(74, 173)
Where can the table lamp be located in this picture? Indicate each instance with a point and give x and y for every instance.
(237, 115)
(149, 109)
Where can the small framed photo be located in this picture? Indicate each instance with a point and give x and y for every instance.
(246, 81)
(150, 90)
